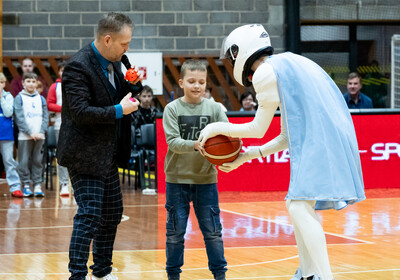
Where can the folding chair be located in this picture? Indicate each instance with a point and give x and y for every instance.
(148, 144)
(51, 145)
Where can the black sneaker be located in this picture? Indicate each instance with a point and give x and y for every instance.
(173, 276)
(219, 276)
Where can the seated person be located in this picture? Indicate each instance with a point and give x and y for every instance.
(355, 99)
(248, 101)
(146, 112)
(207, 94)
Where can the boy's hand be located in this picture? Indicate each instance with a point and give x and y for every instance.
(37, 136)
(128, 106)
(213, 129)
(198, 147)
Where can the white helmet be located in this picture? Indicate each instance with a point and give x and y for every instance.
(243, 46)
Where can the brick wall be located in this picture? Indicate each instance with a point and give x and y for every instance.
(61, 27)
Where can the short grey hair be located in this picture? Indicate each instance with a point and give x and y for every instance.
(113, 23)
(353, 75)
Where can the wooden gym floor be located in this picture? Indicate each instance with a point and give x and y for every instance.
(363, 239)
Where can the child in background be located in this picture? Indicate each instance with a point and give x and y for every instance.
(39, 87)
(208, 95)
(32, 117)
(54, 103)
(146, 112)
(189, 176)
(7, 139)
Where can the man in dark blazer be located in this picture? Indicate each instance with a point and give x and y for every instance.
(94, 139)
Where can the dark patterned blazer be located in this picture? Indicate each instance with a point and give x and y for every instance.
(91, 138)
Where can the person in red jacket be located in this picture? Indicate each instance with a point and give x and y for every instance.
(54, 103)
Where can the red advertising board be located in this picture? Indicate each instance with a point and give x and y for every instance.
(378, 140)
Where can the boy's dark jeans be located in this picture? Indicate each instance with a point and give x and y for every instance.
(206, 207)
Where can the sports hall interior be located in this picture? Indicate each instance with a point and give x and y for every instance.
(341, 36)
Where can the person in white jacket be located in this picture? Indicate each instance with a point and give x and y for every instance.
(316, 126)
(32, 118)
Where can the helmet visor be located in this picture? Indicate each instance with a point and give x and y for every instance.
(229, 52)
(224, 48)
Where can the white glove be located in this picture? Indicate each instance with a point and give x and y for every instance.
(242, 158)
(213, 129)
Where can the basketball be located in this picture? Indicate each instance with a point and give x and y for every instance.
(221, 149)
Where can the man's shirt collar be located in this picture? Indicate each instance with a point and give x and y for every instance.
(103, 61)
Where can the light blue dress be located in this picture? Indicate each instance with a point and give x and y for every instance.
(324, 158)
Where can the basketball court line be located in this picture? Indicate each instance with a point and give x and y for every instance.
(125, 218)
(30, 228)
(76, 207)
(163, 270)
(186, 249)
(286, 224)
(162, 205)
(230, 278)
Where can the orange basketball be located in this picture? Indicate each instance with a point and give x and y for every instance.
(221, 149)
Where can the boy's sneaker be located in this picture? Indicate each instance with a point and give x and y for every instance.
(15, 190)
(27, 191)
(64, 190)
(38, 191)
(17, 193)
(107, 277)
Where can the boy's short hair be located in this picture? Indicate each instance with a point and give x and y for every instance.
(2, 77)
(192, 65)
(148, 89)
(39, 84)
(29, 75)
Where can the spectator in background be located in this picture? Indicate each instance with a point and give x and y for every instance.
(39, 87)
(7, 139)
(355, 99)
(54, 103)
(146, 112)
(207, 94)
(16, 83)
(32, 118)
(248, 101)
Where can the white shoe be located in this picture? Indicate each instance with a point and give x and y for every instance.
(88, 277)
(37, 191)
(107, 277)
(64, 190)
(148, 191)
